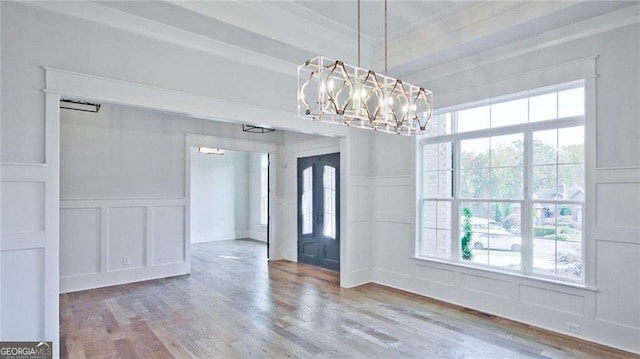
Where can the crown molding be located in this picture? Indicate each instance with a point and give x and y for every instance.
(466, 26)
(113, 18)
(586, 28)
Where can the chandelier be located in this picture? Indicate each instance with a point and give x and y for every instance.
(334, 92)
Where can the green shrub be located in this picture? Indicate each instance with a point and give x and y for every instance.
(468, 235)
(567, 230)
(543, 231)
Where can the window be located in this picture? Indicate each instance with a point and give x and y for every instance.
(329, 189)
(503, 184)
(264, 189)
(307, 200)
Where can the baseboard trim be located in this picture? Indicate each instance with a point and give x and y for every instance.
(107, 279)
(218, 236)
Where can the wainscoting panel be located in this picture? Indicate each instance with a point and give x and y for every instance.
(485, 285)
(286, 246)
(390, 251)
(168, 235)
(618, 300)
(25, 291)
(360, 238)
(554, 300)
(361, 196)
(114, 241)
(28, 216)
(127, 237)
(435, 275)
(625, 198)
(606, 309)
(29, 236)
(80, 236)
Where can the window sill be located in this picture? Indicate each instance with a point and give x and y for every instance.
(579, 286)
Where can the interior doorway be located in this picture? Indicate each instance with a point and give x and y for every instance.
(319, 210)
(229, 191)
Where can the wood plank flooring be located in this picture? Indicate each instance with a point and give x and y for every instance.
(236, 305)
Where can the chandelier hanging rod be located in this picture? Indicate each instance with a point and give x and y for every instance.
(358, 33)
(334, 92)
(385, 37)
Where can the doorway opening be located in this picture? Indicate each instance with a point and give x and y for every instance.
(147, 205)
(319, 211)
(229, 195)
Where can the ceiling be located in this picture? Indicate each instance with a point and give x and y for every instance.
(402, 15)
(279, 35)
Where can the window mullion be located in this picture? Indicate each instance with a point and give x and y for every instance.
(526, 229)
(455, 211)
(531, 218)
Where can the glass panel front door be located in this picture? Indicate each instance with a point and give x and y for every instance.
(319, 210)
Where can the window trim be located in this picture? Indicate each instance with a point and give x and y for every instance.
(587, 279)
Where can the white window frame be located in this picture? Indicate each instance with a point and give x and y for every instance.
(587, 120)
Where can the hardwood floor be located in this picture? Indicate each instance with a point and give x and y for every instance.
(235, 305)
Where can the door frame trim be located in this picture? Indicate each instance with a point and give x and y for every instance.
(327, 146)
(315, 153)
(231, 144)
(59, 82)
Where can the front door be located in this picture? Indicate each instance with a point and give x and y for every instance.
(319, 211)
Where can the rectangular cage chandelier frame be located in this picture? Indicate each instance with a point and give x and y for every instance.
(332, 91)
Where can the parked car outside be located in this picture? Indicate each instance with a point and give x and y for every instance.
(496, 241)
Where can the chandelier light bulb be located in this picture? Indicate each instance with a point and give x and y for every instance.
(356, 85)
(330, 84)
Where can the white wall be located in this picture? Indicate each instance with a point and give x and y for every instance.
(257, 230)
(355, 200)
(291, 147)
(125, 168)
(34, 38)
(220, 196)
(122, 186)
(609, 314)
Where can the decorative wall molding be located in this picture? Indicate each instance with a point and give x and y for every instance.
(98, 280)
(393, 181)
(153, 254)
(91, 87)
(435, 274)
(121, 202)
(397, 185)
(550, 299)
(394, 217)
(317, 147)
